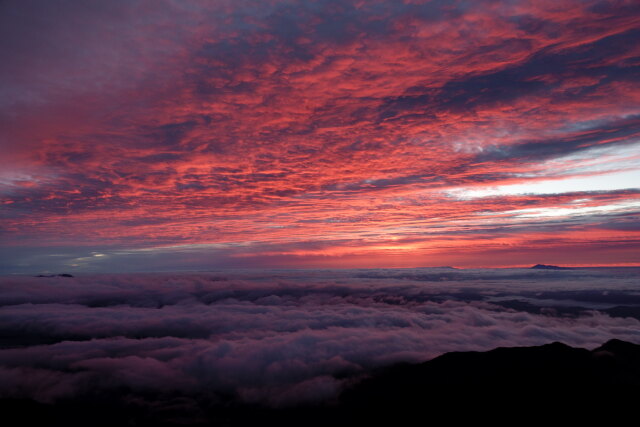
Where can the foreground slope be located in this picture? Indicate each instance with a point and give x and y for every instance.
(552, 382)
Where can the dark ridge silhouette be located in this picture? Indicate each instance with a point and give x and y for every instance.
(549, 267)
(549, 383)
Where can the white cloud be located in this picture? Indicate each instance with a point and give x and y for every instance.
(276, 337)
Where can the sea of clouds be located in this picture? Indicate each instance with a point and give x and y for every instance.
(284, 337)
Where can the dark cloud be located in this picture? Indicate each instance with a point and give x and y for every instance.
(630, 224)
(615, 132)
(543, 74)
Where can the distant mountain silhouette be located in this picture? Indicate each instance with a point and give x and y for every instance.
(552, 383)
(549, 267)
(439, 267)
(55, 275)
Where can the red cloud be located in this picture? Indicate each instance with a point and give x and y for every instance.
(340, 126)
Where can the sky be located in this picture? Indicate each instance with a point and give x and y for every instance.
(177, 135)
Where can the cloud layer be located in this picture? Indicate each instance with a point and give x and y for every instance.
(284, 337)
(318, 133)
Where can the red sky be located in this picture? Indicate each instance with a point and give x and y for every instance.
(145, 135)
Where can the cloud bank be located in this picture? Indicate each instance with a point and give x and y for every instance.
(284, 337)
